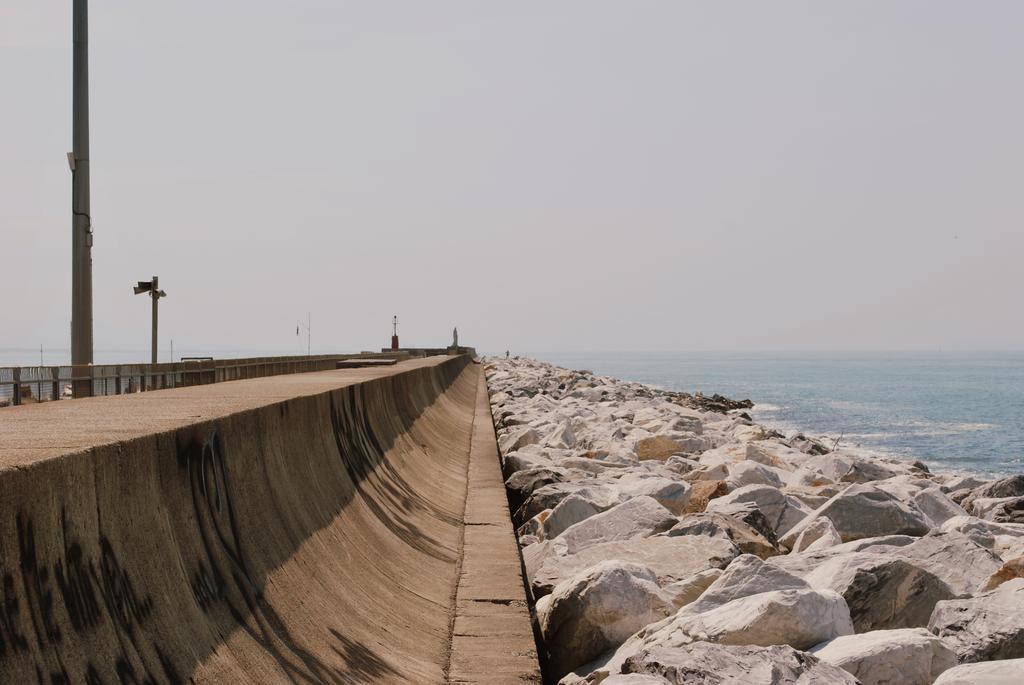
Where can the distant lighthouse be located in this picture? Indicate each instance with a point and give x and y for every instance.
(394, 332)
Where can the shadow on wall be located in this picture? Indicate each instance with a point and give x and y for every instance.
(135, 563)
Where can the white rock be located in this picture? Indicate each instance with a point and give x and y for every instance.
(671, 558)
(597, 610)
(634, 679)
(638, 517)
(954, 558)
(984, 628)
(753, 473)
(843, 466)
(882, 591)
(783, 512)
(819, 534)
(683, 592)
(937, 505)
(571, 510)
(517, 438)
(799, 618)
(746, 575)
(703, 663)
(909, 656)
(981, 531)
(562, 436)
(1006, 672)
(864, 511)
(774, 454)
(671, 494)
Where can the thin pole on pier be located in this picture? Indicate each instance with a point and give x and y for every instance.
(153, 288)
(81, 221)
(155, 296)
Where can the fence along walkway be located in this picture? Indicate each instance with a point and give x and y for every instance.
(24, 384)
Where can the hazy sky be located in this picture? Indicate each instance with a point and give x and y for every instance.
(546, 175)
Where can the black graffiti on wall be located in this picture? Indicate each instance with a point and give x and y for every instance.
(36, 598)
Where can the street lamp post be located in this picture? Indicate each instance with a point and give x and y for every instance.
(81, 221)
(153, 288)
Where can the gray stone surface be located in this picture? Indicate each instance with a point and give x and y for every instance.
(864, 511)
(597, 610)
(671, 558)
(908, 656)
(637, 517)
(882, 591)
(746, 575)
(983, 628)
(783, 511)
(1006, 672)
(704, 663)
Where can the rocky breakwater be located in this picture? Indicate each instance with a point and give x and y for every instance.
(668, 538)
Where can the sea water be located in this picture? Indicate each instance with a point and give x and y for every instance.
(955, 411)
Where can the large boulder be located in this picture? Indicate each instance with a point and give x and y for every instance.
(702, 492)
(671, 494)
(817, 535)
(562, 436)
(864, 511)
(985, 533)
(956, 559)
(1014, 568)
(1006, 672)
(1006, 487)
(750, 514)
(703, 663)
(576, 507)
(548, 497)
(882, 591)
(844, 467)
(800, 618)
(522, 460)
(1001, 510)
(521, 484)
(596, 610)
(908, 656)
(746, 575)
(671, 558)
(632, 679)
(638, 517)
(984, 628)
(683, 592)
(659, 447)
(773, 454)
(743, 535)
(782, 511)
(753, 473)
(517, 438)
(937, 505)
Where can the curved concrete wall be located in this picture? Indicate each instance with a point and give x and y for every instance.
(310, 540)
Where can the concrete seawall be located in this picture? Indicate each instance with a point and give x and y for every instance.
(304, 529)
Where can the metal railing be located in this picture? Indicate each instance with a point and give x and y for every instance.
(28, 384)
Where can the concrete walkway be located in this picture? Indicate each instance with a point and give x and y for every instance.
(333, 527)
(492, 639)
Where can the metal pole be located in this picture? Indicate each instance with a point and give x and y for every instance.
(309, 332)
(155, 294)
(81, 222)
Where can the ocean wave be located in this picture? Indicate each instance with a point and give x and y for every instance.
(766, 408)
